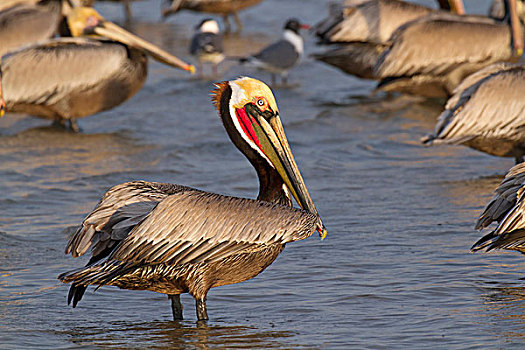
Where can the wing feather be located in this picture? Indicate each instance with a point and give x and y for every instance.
(63, 65)
(435, 46)
(493, 107)
(121, 208)
(191, 227)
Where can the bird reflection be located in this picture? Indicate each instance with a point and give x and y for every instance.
(179, 335)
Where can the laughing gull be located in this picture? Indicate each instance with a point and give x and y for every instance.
(282, 55)
(206, 45)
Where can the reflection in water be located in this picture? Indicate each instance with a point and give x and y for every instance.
(506, 305)
(177, 335)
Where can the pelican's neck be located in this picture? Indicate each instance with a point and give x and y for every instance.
(271, 185)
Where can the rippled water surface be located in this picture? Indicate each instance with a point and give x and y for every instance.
(394, 272)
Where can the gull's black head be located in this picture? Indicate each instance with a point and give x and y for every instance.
(295, 25)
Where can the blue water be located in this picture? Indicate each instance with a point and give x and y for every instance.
(394, 272)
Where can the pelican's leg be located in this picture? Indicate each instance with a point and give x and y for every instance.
(284, 78)
(519, 159)
(227, 27)
(127, 11)
(199, 70)
(176, 306)
(59, 123)
(237, 21)
(73, 125)
(202, 313)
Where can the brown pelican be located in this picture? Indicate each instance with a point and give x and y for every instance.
(431, 56)
(206, 45)
(362, 31)
(222, 7)
(26, 22)
(486, 112)
(281, 56)
(69, 78)
(174, 239)
(507, 209)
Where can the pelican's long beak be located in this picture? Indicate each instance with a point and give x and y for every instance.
(114, 32)
(456, 6)
(275, 146)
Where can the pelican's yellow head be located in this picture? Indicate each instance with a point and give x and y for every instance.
(249, 90)
(81, 19)
(250, 115)
(86, 21)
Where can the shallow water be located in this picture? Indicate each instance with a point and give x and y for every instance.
(394, 272)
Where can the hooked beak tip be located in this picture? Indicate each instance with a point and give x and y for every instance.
(322, 232)
(191, 68)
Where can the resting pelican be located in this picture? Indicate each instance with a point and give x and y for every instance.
(174, 239)
(430, 57)
(362, 31)
(507, 209)
(69, 78)
(486, 112)
(223, 7)
(27, 22)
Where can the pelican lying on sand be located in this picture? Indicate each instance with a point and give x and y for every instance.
(70, 78)
(223, 7)
(174, 239)
(362, 31)
(431, 56)
(507, 208)
(486, 112)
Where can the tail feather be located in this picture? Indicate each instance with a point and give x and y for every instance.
(428, 139)
(514, 240)
(76, 292)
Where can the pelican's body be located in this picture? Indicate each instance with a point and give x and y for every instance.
(487, 113)
(69, 78)
(223, 7)
(173, 239)
(362, 31)
(507, 208)
(431, 56)
(25, 23)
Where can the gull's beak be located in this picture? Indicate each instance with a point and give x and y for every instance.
(275, 146)
(114, 32)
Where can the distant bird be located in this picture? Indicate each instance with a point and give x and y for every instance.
(486, 112)
(174, 239)
(281, 56)
(207, 46)
(507, 208)
(69, 78)
(223, 7)
(362, 30)
(431, 56)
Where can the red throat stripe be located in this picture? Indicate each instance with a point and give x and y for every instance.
(246, 125)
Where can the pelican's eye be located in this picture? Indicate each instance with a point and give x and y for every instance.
(262, 103)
